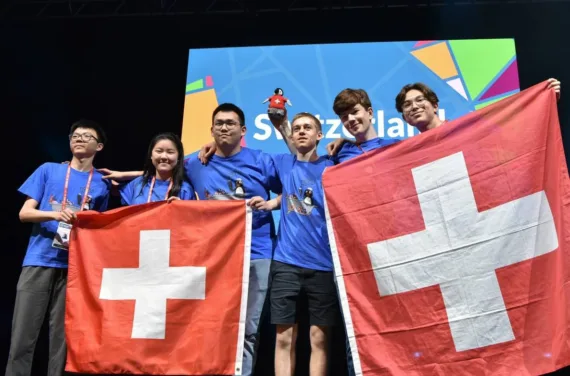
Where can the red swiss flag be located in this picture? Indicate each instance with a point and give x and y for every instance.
(452, 247)
(159, 288)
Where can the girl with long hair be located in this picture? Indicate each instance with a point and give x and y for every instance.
(163, 174)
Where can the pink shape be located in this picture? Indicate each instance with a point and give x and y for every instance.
(209, 81)
(242, 143)
(508, 81)
(423, 42)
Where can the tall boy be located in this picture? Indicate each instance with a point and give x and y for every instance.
(55, 193)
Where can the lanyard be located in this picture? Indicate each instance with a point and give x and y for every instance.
(152, 187)
(66, 186)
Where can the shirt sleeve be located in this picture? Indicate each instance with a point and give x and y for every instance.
(187, 191)
(390, 141)
(104, 202)
(270, 165)
(34, 186)
(127, 192)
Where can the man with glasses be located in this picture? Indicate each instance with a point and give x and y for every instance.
(55, 193)
(418, 104)
(236, 173)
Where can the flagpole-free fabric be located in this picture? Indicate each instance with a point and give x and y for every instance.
(451, 248)
(159, 288)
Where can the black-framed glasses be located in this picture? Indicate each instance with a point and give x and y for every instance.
(83, 136)
(229, 123)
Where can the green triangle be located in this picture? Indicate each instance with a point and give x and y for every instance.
(485, 104)
(198, 84)
(480, 60)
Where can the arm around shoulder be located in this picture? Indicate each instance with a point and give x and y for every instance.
(119, 175)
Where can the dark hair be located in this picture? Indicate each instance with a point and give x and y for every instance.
(90, 124)
(277, 91)
(349, 98)
(229, 107)
(423, 88)
(177, 173)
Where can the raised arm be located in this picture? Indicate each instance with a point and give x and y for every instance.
(282, 125)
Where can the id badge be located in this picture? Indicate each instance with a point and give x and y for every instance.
(61, 239)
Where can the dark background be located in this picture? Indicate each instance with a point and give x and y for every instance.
(128, 73)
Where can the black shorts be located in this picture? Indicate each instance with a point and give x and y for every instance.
(291, 283)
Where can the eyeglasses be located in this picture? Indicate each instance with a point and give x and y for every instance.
(83, 136)
(229, 123)
(407, 105)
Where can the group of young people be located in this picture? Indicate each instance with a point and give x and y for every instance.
(294, 264)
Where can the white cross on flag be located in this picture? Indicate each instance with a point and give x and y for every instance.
(153, 288)
(452, 248)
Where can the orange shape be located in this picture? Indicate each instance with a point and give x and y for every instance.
(437, 58)
(197, 119)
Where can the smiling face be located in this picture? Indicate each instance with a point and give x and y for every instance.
(417, 110)
(305, 133)
(84, 142)
(164, 156)
(357, 120)
(354, 109)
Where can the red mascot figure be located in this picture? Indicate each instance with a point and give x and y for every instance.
(277, 103)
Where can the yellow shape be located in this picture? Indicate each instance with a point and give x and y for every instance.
(197, 119)
(437, 58)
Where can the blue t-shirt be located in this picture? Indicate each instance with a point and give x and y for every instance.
(242, 176)
(350, 150)
(132, 194)
(303, 237)
(45, 186)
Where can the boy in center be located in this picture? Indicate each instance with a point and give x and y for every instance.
(302, 265)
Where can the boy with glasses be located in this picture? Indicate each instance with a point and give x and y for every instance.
(55, 193)
(418, 104)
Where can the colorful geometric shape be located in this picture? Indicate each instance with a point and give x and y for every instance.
(508, 81)
(438, 59)
(196, 85)
(422, 43)
(457, 85)
(209, 81)
(480, 60)
(197, 119)
(494, 100)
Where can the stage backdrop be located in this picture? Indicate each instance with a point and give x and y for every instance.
(465, 74)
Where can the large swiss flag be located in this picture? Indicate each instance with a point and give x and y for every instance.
(452, 248)
(159, 288)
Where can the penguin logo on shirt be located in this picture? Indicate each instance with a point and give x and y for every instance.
(234, 191)
(302, 206)
(236, 186)
(239, 191)
(308, 197)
